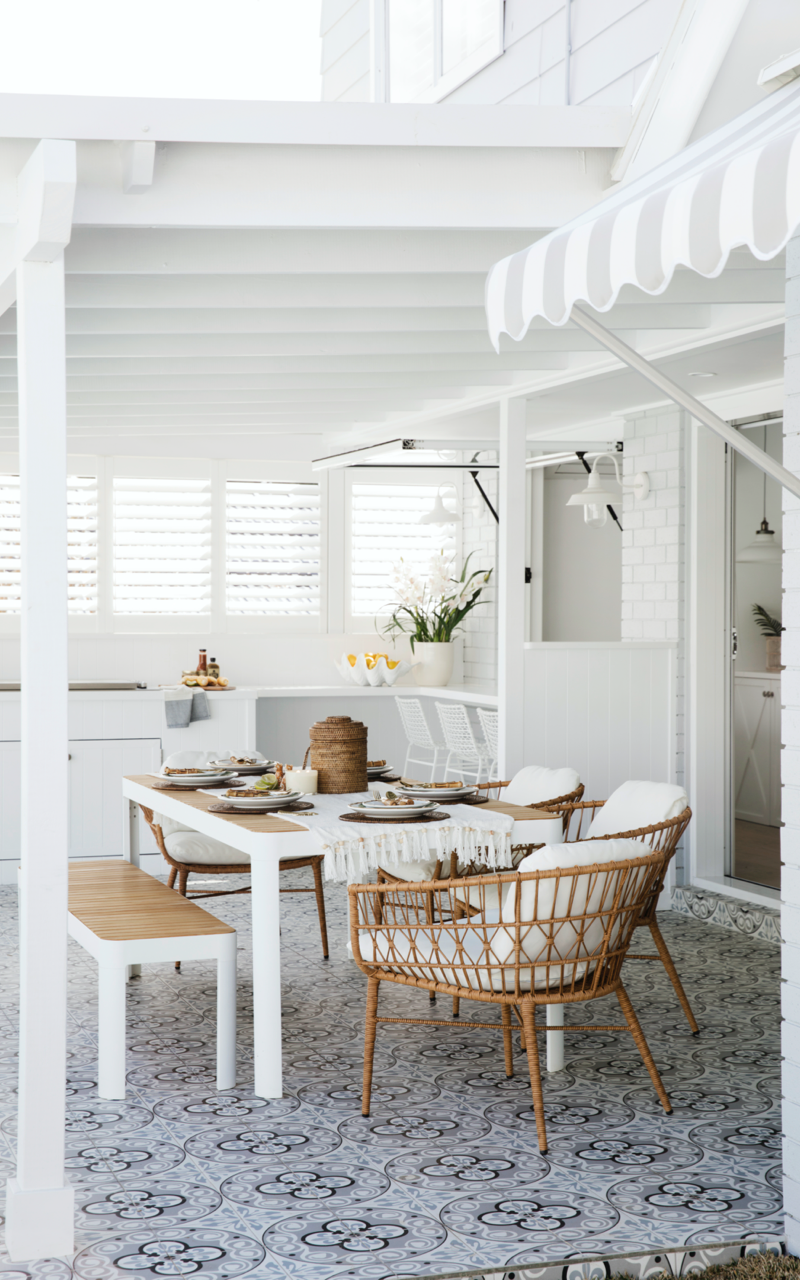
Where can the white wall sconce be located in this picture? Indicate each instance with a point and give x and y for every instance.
(595, 498)
(439, 513)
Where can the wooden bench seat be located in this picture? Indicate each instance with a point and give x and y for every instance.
(123, 917)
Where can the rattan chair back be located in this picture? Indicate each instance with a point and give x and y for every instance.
(561, 935)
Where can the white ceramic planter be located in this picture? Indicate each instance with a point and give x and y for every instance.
(434, 664)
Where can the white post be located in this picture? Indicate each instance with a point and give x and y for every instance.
(511, 586)
(790, 764)
(39, 1221)
(40, 1205)
(265, 906)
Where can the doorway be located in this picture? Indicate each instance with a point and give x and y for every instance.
(756, 540)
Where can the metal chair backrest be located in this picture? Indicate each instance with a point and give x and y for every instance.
(457, 731)
(490, 721)
(415, 724)
(563, 933)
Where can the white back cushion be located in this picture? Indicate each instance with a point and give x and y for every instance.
(191, 846)
(638, 804)
(190, 759)
(535, 784)
(168, 825)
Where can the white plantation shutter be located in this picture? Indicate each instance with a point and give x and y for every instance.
(386, 528)
(272, 548)
(81, 544)
(162, 546)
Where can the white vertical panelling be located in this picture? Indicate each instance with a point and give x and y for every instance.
(604, 709)
(790, 734)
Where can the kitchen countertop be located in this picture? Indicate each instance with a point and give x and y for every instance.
(475, 695)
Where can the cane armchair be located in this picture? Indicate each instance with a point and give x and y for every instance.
(590, 820)
(559, 937)
(187, 852)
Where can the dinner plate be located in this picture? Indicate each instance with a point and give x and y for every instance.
(377, 810)
(192, 779)
(259, 766)
(267, 801)
(436, 793)
(377, 771)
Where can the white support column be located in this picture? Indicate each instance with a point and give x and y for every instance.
(40, 1204)
(790, 764)
(511, 585)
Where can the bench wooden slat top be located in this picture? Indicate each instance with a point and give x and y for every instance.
(119, 902)
(266, 824)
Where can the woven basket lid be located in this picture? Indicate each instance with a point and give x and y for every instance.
(337, 727)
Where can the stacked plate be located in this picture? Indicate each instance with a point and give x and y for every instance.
(247, 770)
(269, 800)
(206, 776)
(439, 792)
(376, 771)
(396, 813)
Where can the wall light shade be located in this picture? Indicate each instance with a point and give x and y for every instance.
(764, 549)
(439, 513)
(595, 498)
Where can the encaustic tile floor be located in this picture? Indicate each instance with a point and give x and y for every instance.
(445, 1177)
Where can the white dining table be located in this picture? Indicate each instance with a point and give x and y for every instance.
(266, 839)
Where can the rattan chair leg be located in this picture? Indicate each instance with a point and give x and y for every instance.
(528, 1010)
(643, 1047)
(508, 1047)
(320, 896)
(456, 1006)
(432, 996)
(669, 965)
(173, 871)
(370, 1029)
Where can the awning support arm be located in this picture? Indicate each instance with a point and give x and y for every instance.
(735, 439)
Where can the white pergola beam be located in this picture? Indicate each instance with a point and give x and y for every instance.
(40, 1204)
(511, 591)
(138, 164)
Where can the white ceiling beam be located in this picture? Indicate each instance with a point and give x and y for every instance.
(45, 196)
(344, 320)
(112, 396)
(282, 251)
(472, 365)
(310, 123)
(389, 187)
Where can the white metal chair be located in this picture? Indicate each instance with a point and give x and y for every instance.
(419, 736)
(490, 722)
(464, 754)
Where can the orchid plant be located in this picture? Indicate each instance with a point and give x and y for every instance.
(431, 610)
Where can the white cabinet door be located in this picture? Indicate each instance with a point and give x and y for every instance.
(757, 751)
(96, 806)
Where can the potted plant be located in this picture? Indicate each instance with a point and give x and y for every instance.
(431, 611)
(771, 628)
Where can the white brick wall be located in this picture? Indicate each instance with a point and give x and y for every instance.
(654, 550)
(790, 757)
(479, 535)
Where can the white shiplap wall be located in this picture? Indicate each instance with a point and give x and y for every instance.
(345, 50)
(605, 709)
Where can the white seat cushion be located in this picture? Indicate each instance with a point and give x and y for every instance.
(190, 846)
(415, 871)
(428, 952)
(638, 804)
(168, 825)
(534, 785)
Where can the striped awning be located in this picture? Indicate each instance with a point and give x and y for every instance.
(738, 186)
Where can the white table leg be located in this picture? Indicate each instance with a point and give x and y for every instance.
(226, 1013)
(555, 1039)
(130, 851)
(111, 1031)
(265, 906)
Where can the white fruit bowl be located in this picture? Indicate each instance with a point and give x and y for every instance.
(380, 673)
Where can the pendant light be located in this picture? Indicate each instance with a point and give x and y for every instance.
(439, 513)
(765, 547)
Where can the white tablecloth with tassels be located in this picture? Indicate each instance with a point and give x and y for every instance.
(353, 850)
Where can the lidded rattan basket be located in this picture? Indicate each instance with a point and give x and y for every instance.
(339, 754)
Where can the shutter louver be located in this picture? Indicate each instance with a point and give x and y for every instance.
(162, 546)
(272, 548)
(385, 527)
(81, 544)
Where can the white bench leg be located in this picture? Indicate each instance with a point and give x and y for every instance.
(226, 1013)
(111, 1030)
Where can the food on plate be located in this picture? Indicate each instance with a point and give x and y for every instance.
(375, 764)
(170, 772)
(267, 782)
(430, 786)
(194, 681)
(244, 760)
(392, 800)
(237, 792)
